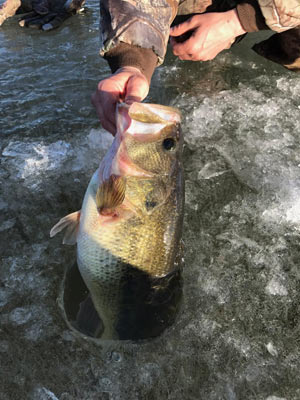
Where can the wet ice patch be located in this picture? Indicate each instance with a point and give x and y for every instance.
(32, 158)
(21, 315)
(7, 224)
(4, 346)
(35, 319)
(41, 328)
(30, 161)
(3, 204)
(149, 374)
(4, 296)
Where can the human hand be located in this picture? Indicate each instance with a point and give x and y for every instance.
(41, 14)
(8, 9)
(208, 34)
(127, 84)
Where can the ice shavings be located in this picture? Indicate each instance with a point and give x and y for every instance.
(272, 349)
(290, 87)
(21, 315)
(43, 393)
(213, 288)
(34, 319)
(293, 213)
(255, 132)
(275, 398)
(286, 208)
(276, 288)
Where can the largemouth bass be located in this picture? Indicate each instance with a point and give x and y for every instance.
(132, 212)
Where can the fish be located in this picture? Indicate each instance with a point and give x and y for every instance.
(131, 219)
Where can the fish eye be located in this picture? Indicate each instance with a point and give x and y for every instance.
(169, 143)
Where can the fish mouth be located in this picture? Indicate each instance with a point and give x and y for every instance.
(145, 123)
(117, 161)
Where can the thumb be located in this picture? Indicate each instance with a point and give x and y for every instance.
(137, 89)
(179, 29)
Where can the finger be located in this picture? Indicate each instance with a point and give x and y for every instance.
(8, 9)
(137, 89)
(107, 125)
(179, 29)
(184, 48)
(180, 49)
(105, 111)
(186, 57)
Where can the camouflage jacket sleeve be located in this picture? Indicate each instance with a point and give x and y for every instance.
(141, 23)
(281, 15)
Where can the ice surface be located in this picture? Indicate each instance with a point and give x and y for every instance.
(276, 288)
(237, 335)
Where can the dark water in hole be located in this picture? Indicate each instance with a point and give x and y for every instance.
(147, 306)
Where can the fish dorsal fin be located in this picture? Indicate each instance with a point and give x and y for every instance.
(71, 223)
(110, 194)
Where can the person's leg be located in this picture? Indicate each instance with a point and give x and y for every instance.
(282, 48)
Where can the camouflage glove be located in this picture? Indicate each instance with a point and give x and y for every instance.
(41, 14)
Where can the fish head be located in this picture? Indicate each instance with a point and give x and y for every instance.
(143, 158)
(150, 138)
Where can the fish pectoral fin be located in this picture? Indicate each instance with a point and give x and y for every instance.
(111, 194)
(71, 223)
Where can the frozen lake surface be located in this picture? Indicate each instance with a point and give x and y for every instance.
(237, 334)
